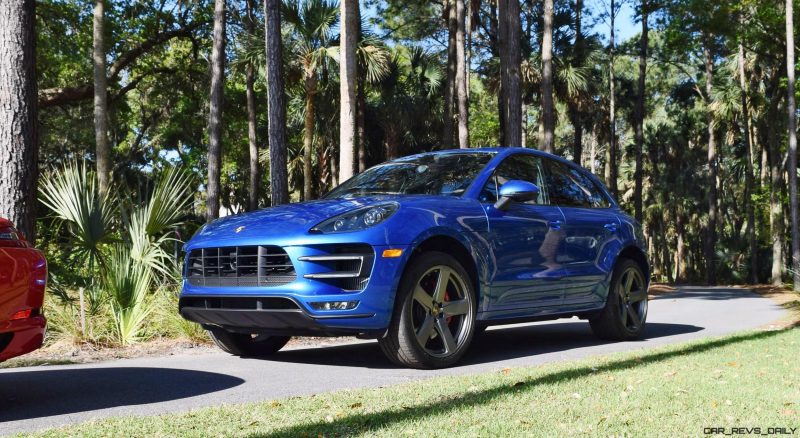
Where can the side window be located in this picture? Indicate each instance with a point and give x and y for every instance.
(571, 187)
(516, 167)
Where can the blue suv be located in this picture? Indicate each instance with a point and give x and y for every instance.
(422, 253)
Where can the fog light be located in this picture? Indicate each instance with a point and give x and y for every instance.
(334, 305)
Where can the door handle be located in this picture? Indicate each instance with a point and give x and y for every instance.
(556, 225)
(611, 227)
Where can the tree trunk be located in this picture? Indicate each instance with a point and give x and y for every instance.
(461, 75)
(362, 136)
(775, 173)
(215, 111)
(102, 149)
(638, 173)
(790, 103)
(252, 140)
(18, 124)
(510, 58)
(711, 231)
(347, 88)
(276, 102)
(308, 134)
(450, 80)
(748, 184)
(576, 115)
(546, 141)
(611, 164)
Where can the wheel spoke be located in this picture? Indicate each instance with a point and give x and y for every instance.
(454, 308)
(426, 330)
(441, 284)
(633, 315)
(628, 284)
(447, 337)
(423, 298)
(623, 314)
(638, 295)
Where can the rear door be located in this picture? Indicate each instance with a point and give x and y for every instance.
(591, 233)
(526, 240)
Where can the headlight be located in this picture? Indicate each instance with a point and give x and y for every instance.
(356, 220)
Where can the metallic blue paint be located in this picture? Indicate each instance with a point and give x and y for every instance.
(532, 261)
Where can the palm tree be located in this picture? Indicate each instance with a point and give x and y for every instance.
(311, 22)
(348, 76)
(509, 29)
(102, 149)
(639, 122)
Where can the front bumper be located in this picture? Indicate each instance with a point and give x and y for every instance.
(242, 311)
(21, 336)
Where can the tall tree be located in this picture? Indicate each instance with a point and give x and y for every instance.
(312, 21)
(215, 111)
(749, 179)
(462, 71)
(546, 140)
(252, 140)
(18, 132)
(639, 114)
(276, 103)
(451, 18)
(611, 165)
(711, 230)
(575, 112)
(348, 75)
(102, 148)
(791, 110)
(509, 29)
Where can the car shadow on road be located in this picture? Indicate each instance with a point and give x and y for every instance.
(48, 392)
(364, 423)
(496, 344)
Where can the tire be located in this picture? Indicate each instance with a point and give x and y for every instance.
(431, 326)
(242, 344)
(625, 314)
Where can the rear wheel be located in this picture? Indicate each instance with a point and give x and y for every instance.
(624, 316)
(243, 344)
(434, 315)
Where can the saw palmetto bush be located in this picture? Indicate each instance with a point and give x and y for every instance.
(123, 243)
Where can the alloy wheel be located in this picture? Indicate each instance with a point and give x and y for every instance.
(441, 309)
(632, 293)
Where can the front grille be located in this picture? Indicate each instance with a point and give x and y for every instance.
(239, 266)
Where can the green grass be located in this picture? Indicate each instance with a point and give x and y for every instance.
(746, 380)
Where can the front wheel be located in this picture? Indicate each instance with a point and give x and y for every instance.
(625, 313)
(434, 315)
(243, 344)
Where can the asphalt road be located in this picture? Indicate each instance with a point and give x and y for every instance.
(41, 397)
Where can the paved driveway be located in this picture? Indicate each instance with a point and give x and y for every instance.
(41, 397)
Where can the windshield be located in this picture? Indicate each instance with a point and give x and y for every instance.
(446, 174)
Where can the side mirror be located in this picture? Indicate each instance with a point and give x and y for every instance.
(516, 191)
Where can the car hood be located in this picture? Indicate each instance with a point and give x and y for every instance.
(280, 221)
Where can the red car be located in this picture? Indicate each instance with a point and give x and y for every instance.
(23, 277)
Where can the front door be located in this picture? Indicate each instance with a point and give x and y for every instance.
(527, 241)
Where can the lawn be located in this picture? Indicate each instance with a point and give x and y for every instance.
(746, 380)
